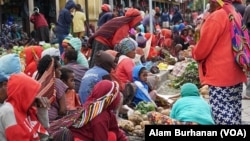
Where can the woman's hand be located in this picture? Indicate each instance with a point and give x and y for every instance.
(42, 102)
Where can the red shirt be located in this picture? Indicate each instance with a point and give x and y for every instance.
(38, 20)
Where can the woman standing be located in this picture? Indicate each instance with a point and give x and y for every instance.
(217, 67)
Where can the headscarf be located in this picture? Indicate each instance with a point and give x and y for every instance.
(66, 40)
(76, 43)
(142, 93)
(51, 52)
(101, 89)
(132, 12)
(104, 60)
(125, 46)
(167, 33)
(136, 71)
(32, 56)
(141, 40)
(105, 7)
(189, 89)
(10, 64)
(191, 99)
(141, 27)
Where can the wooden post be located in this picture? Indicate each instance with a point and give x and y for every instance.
(87, 16)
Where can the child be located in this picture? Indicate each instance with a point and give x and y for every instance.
(72, 98)
(190, 36)
(143, 92)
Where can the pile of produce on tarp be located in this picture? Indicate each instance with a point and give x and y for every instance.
(189, 73)
(134, 125)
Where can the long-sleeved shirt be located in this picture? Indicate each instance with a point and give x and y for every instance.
(214, 52)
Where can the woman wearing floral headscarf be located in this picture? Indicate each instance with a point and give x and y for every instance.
(125, 64)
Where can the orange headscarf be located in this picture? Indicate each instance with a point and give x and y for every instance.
(105, 7)
(167, 33)
(132, 12)
(32, 56)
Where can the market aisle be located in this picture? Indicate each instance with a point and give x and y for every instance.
(164, 89)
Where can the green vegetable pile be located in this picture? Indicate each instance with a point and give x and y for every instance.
(191, 75)
(145, 107)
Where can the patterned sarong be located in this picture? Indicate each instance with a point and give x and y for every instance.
(226, 104)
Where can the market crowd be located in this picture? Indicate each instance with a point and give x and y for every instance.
(82, 89)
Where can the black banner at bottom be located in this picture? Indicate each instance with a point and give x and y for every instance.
(215, 132)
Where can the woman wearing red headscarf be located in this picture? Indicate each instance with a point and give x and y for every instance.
(103, 127)
(105, 8)
(32, 56)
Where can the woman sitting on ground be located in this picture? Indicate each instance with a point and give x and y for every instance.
(96, 114)
(48, 74)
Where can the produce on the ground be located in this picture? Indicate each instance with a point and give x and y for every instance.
(190, 75)
(135, 118)
(159, 109)
(126, 125)
(165, 112)
(19, 49)
(145, 107)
